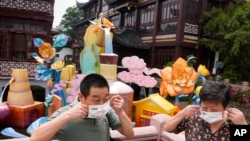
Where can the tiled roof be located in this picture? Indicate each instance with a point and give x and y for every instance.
(127, 37)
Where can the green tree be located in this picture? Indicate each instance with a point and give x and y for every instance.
(227, 31)
(72, 15)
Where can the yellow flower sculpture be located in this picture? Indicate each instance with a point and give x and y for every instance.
(58, 65)
(178, 79)
(203, 70)
(46, 51)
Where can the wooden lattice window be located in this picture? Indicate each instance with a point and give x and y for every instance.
(170, 10)
(5, 40)
(19, 45)
(130, 19)
(115, 20)
(3, 47)
(192, 10)
(147, 16)
(169, 15)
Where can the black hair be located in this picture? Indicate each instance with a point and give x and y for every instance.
(92, 80)
(215, 91)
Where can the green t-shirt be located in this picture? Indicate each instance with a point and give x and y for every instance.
(87, 129)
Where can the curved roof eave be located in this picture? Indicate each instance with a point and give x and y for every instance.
(127, 37)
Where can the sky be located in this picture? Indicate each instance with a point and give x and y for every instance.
(60, 7)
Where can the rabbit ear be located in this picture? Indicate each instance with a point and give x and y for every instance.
(61, 40)
(38, 42)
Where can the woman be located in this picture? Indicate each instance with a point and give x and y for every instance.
(210, 120)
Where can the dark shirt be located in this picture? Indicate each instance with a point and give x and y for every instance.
(196, 129)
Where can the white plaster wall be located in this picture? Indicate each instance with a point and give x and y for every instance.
(64, 52)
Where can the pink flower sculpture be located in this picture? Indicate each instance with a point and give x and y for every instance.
(136, 67)
(71, 92)
(59, 86)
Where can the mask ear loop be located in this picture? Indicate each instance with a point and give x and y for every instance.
(199, 112)
(228, 110)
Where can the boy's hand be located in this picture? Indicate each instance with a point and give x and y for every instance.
(79, 111)
(116, 102)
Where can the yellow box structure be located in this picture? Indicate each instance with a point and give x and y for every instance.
(152, 105)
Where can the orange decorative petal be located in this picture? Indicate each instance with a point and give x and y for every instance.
(52, 52)
(189, 71)
(190, 83)
(180, 63)
(96, 27)
(194, 76)
(188, 90)
(177, 81)
(89, 37)
(177, 88)
(166, 74)
(171, 90)
(163, 89)
(106, 22)
(169, 78)
(180, 78)
(184, 81)
(46, 51)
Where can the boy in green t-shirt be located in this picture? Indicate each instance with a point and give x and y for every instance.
(89, 117)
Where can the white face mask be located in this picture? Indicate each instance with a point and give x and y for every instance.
(211, 117)
(97, 111)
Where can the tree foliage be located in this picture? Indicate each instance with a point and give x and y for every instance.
(72, 15)
(227, 31)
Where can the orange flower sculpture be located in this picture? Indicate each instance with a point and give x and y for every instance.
(178, 79)
(46, 51)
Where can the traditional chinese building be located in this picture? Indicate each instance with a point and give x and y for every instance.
(20, 22)
(158, 31)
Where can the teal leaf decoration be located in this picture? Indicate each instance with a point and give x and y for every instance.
(10, 132)
(38, 42)
(92, 22)
(190, 58)
(36, 124)
(37, 58)
(43, 73)
(87, 60)
(61, 40)
(48, 100)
